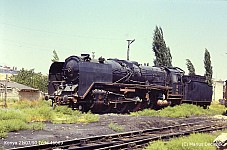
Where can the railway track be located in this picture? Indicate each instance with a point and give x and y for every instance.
(134, 139)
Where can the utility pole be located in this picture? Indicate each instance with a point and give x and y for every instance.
(129, 43)
(93, 55)
(6, 84)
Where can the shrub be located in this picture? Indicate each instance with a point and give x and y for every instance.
(22, 112)
(6, 114)
(216, 108)
(37, 126)
(3, 134)
(12, 125)
(199, 141)
(22, 104)
(42, 113)
(88, 117)
(67, 115)
(184, 110)
(115, 127)
(64, 110)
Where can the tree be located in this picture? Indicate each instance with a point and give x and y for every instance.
(32, 79)
(162, 52)
(208, 68)
(169, 57)
(55, 57)
(191, 69)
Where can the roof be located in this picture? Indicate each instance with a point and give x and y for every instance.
(19, 86)
(9, 71)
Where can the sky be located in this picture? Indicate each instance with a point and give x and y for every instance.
(31, 29)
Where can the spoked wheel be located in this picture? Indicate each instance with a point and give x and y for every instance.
(83, 108)
(144, 105)
(120, 108)
(153, 104)
(106, 109)
(132, 107)
(101, 108)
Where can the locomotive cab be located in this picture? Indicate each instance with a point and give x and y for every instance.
(174, 79)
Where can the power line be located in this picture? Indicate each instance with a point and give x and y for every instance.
(58, 33)
(28, 45)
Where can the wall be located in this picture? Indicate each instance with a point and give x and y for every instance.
(30, 95)
(218, 90)
(12, 93)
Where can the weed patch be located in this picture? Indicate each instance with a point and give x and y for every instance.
(184, 110)
(116, 127)
(42, 113)
(31, 115)
(37, 126)
(63, 114)
(199, 141)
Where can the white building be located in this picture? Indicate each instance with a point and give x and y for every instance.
(16, 91)
(218, 90)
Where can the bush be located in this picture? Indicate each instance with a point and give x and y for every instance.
(22, 104)
(184, 110)
(42, 113)
(115, 127)
(3, 134)
(7, 114)
(37, 126)
(13, 120)
(216, 108)
(12, 125)
(63, 114)
(64, 110)
(199, 141)
(22, 112)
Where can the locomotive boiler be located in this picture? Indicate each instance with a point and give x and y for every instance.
(113, 85)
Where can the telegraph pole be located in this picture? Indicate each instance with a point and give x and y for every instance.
(93, 55)
(6, 84)
(129, 43)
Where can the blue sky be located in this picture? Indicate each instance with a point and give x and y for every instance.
(30, 30)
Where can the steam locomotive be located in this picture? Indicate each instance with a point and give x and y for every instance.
(121, 86)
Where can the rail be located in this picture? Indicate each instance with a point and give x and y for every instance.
(133, 139)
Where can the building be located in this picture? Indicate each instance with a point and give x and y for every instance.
(18, 91)
(7, 71)
(218, 90)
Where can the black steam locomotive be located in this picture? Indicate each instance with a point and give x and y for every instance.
(121, 86)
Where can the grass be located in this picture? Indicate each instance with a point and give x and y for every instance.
(23, 115)
(14, 120)
(184, 110)
(63, 114)
(37, 126)
(199, 141)
(116, 127)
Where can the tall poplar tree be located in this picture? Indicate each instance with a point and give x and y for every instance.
(169, 57)
(162, 52)
(190, 66)
(55, 57)
(208, 68)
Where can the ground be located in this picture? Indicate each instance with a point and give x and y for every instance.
(59, 132)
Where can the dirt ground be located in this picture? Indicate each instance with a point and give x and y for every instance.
(59, 132)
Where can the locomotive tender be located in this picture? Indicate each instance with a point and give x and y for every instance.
(121, 86)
